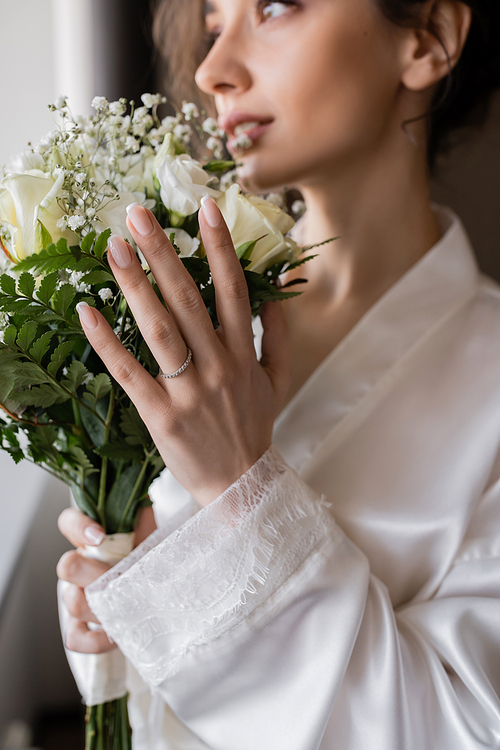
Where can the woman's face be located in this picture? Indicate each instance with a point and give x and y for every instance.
(327, 73)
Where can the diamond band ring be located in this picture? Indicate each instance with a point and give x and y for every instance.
(181, 368)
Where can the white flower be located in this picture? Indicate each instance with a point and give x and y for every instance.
(113, 214)
(210, 126)
(275, 198)
(106, 294)
(132, 144)
(26, 161)
(28, 205)
(298, 207)
(169, 122)
(249, 217)
(61, 102)
(75, 277)
(183, 181)
(99, 103)
(76, 222)
(117, 108)
(215, 145)
(189, 110)
(148, 100)
(118, 328)
(80, 177)
(187, 245)
(242, 141)
(228, 179)
(183, 132)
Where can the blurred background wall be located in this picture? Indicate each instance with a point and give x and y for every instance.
(83, 48)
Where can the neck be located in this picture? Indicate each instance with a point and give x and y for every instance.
(380, 210)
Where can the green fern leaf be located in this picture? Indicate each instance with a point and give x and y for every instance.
(59, 356)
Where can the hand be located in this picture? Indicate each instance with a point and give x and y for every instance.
(212, 422)
(81, 571)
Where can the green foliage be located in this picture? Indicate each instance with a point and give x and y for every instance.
(60, 355)
(81, 425)
(244, 251)
(27, 334)
(218, 165)
(119, 495)
(101, 244)
(134, 429)
(77, 372)
(98, 387)
(26, 284)
(47, 288)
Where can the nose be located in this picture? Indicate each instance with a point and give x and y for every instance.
(225, 70)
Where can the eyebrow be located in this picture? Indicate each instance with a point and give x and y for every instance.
(209, 8)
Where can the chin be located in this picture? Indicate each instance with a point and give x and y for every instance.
(259, 174)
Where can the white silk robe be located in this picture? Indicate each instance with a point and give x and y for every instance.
(344, 593)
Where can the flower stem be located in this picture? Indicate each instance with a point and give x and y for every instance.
(133, 494)
(104, 465)
(100, 727)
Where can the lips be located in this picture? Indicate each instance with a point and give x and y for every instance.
(229, 122)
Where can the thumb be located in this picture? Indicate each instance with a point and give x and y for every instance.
(276, 354)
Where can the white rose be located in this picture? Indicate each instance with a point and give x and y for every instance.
(187, 245)
(137, 174)
(114, 214)
(183, 181)
(249, 217)
(28, 204)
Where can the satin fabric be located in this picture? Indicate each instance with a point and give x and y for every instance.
(387, 637)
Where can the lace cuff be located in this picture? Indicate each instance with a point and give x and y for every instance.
(174, 594)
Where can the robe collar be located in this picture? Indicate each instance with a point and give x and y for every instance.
(440, 283)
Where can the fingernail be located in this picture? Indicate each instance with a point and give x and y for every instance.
(94, 534)
(140, 219)
(120, 251)
(211, 211)
(87, 315)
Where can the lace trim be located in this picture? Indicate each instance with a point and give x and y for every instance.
(176, 593)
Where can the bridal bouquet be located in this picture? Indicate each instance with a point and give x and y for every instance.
(59, 202)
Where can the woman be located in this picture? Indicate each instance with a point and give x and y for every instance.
(327, 571)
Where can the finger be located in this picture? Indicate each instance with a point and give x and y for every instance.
(145, 392)
(80, 638)
(145, 526)
(276, 355)
(76, 602)
(156, 324)
(177, 286)
(75, 568)
(231, 289)
(79, 529)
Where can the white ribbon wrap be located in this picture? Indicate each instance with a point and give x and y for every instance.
(99, 677)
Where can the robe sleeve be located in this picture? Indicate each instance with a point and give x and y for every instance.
(261, 625)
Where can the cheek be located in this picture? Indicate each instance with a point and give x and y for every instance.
(333, 94)
(343, 92)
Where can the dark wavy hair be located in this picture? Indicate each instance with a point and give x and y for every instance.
(462, 100)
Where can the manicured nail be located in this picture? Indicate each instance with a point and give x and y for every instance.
(94, 534)
(211, 211)
(140, 219)
(120, 251)
(87, 315)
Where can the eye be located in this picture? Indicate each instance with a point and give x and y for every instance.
(210, 39)
(274, 8)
